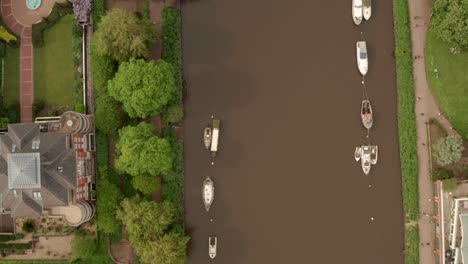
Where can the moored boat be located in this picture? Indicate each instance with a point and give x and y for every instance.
(366, 9)
(212, 245)
(357, 153)
(357, 11)
(361, 53)
(366, 114)
(208, 193)
(215, 137)
(207, 137)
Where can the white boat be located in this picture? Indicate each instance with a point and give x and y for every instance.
(208, 193)
(357, 11)
(215, 137)
(366, 114)
(212, 244)
(357, 153)
(361, 53)
(368, 156)
(207, 137)
(374, 154)
(367, 10)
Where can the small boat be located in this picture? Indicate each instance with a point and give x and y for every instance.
(212, 244)
(374, 154)
(208, 193)
(215, 137)
(207, 137)
(357, 11)
(367, 10)
(357, 153)
(361, 53)
(365, 159)
(366, 114)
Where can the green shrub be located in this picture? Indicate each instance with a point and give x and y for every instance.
(172, 46)
(83, 246)
(449, 184)
(7, 33)
(103, 69)
(13, 112)
(440, 174)
(173, 114)
(4, 238)
(29, 226)
(16, 246)
(99, 10)
(38, 106)
(80, 108)
(2, 50)
(107, 116)
(412, 245)
(145, 10)
(58, 11)
(406, 118)
(102, 149)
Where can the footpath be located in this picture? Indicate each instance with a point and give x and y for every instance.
(426, 108)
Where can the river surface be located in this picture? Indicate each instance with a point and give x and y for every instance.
(282, 77)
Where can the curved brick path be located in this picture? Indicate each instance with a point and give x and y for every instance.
(20, 19)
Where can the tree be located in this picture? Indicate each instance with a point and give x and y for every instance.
(147, 184)
(83, 246)
(4, 122)
(141, 152)
(29, 226)
(149, 227)
(448, 150)
(102, 68)
(108, 202)
(174, 113)
(440, 174)
(121, 36)
(144, 88)
(450, 21)
(107, 117)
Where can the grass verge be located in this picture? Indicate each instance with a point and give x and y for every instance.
(450, 87)
(12, 76)
(53, 65)
(407, 127)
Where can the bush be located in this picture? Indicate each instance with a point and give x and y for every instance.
(58, 11)
(102, 149)
(4, 238)
(38, 106)
(145, 11)
(449, 22)
(440, 174)
(13, 112)
(83, 246)
(108, 202)
(173, 114)
(448, 150)
(107, 116)
(14, 42)
(16, 246)
(99, 10)
(29, 226)
(103, 69)
(80, 108)
(406, 119)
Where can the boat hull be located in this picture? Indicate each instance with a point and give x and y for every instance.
(367, 12)
(207, 137)
(357, 11)
(367, 114)
(361, 56)
(212, 246)
(208, 193)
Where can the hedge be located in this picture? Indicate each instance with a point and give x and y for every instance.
(412, 245)
(406, 114)
(15, 43)
(16, 246)
(102, 149)
(99, 10)
(79, 108)
(10, 237)
(58, 11)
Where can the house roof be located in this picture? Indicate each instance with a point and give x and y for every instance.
(464, 246)
(24, 171)
(25, 206)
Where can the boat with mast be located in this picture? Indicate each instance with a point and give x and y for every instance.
(208, 193)
(207, 137)
(366, 114)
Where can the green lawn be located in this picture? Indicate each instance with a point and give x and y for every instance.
(451, 88)
(53, 65)
(11, 92)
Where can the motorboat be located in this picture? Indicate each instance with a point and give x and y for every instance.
(215, 137)
(357, 153)
(208, 193)
(374, 154)
(212, 244)
(366, 9)
(368, 156)
(207, 137)
(357, 11)
(361, 53)
(366, 114)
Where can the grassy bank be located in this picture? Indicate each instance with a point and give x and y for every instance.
(12, 76)
(450, 88)
(407, 126)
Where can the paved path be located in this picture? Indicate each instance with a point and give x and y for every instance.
(20, 20)
(426, 108)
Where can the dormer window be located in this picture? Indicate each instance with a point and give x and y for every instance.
(37, 195)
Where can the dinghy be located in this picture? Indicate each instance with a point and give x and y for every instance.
(367, 11)
(208, 193)
(368, 156)
(374, 154)
(366, 114)
(207, 137)
(361, 53)
(212, 244)
(357, 11)
(215, 137)
(357, 153)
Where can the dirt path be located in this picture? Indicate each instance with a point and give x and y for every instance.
(426, 108)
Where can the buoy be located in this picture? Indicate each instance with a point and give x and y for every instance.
(212, 163)
(370, 186)
(372, 218)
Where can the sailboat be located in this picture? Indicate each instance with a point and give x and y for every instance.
(212, 244)
(208, 193)
(366, 114)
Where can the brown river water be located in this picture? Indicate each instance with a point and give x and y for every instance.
(282, 77)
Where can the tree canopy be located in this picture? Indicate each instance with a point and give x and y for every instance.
(149, 226)
(83, 246)
(108, 202)
(144, 88)
(450, 21)
(146, 184)
(107, 117)
(121, 35)
(448, 150)
(141, 152)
